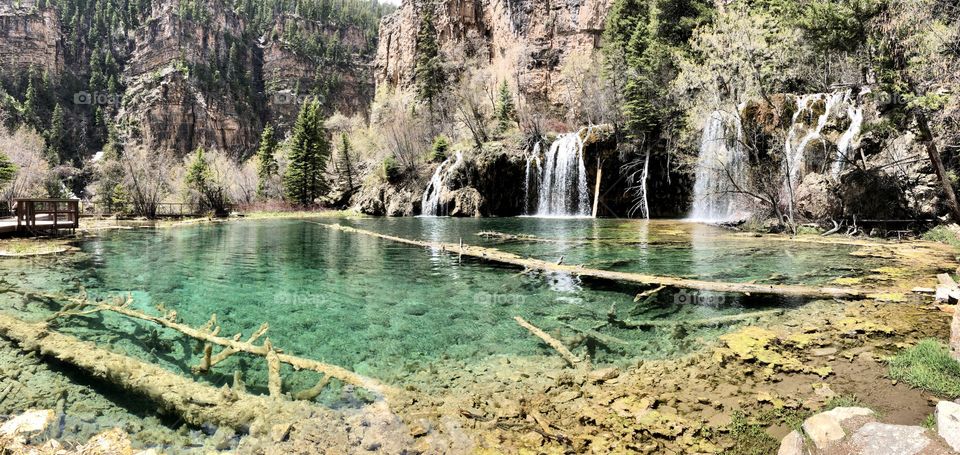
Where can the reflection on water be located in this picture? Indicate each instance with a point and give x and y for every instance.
(387, 310)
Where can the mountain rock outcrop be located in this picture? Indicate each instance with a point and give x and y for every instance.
(30, 38)
(528, 41)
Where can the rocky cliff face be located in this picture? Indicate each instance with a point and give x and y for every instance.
(528, 41)
(179, 94)
(30, 38)
(289, 75)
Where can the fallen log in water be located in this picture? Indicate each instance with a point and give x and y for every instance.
(81, 306)
(571, 359)
(717, 321)
(503, 257)
(195, 403)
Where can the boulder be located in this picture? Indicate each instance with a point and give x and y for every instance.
(816, 198)
(466, 202)
(884, 439)
(955, 335)
(792, 444)
(948, 423)
(826, 428)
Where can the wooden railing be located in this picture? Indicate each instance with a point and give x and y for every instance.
(37, 215)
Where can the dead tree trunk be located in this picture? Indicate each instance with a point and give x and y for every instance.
(494, 255)
(934, 153)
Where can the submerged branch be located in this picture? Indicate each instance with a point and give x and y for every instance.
(208, 334)
(195, 403)
(721, 320)
(503, 257)
(571, 359)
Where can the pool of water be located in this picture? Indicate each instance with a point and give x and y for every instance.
(387, 310)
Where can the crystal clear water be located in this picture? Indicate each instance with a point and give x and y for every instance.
(387, 310)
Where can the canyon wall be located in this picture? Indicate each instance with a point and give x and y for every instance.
(528, 41)
(30, 38)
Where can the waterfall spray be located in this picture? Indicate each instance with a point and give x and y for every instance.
(850, 138)
(430, 203)
(562, 185)
(721, 169)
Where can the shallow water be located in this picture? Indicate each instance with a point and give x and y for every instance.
(387, 310)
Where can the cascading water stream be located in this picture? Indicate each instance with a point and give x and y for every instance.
(795, 156)
(850, 138)
(430, 203)
(561, 178)
(721, 168)
(532, 175)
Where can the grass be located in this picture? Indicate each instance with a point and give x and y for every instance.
(943, 234)
(843, 401)
(928, 366)
(750, 438)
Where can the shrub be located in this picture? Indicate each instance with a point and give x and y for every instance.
(928, 366)
(390, 169)
(943, 234)
(438, 152)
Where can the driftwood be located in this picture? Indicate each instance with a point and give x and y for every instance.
(571, 359)
(503, 257)
(721, 320)
(79, 306)
(196, 403)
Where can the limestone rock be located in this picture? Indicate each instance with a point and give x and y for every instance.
(955, 335)
(792, 444)
(466, 202)
(29, 422)
(884, 439)
(948, 423)
(816, 197)
(825, 429)
(603, 375)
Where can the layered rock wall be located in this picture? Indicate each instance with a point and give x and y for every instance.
(30, 38)
(528, 41)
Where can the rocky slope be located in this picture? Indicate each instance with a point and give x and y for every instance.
(528, 41)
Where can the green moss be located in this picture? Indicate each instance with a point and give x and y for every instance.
(843, 401)
(943, 234)
(928, 366)
(750, 437)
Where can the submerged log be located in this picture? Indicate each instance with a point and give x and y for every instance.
(195, 403)
(209, 335)
(571, 359)
(494, 255)
(721, 320)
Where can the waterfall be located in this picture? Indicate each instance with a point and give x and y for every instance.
(563, 187)
(795, 157)
(855, 114)
(532, 176)
(721, 168)
(430, 204)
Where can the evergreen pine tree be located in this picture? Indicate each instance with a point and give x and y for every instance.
(505, 109)
(266, 161)
(56, 137)
(346, 163)
(29, 107)
(7, 169)
(309, 151)
(429, 71)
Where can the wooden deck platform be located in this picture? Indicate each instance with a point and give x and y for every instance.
(42, 216)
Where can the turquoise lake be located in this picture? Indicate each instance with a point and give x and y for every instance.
(386, 310)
